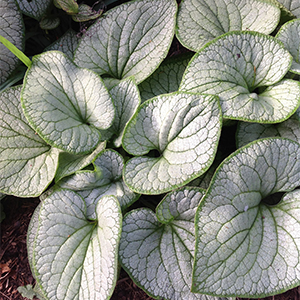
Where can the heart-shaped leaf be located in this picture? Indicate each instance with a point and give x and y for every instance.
(35, 8)
(65, 104)
(247, 242)
(200, 21)
(11, 28)
(184, 129)
(289, 35)
(74, 257)
(131, 39)
(157, 250)
(244, 69)
(166, 79)
(126, 99)
(27, 163)
(106, 179)
(249, 132)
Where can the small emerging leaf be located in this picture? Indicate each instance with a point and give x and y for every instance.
(28, 291)
(49, 22)
(86, 13)
(69, 6)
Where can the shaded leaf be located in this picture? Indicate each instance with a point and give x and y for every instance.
(35, 8)
(11, 28)
(166, 79)
(126, 99)
(66, 44)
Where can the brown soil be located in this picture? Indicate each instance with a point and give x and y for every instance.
(14, 267)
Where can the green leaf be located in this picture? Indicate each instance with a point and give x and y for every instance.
(157, 250)
(126, 99)
(76, 258)
(289, 35)
(184, 130)
(131, 39)
(34, 8)
(166, 79)
(27, 163)
(105, 179)
(200, 21)
(249, 132)
(27, 291)
(65, 104)
(49, 22)
(19, 54)
(12, 29)
(86, 13)
(70, 163)
(247, 239)
(245, 70)
(69, 6)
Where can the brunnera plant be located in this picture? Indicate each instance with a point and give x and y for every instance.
(109, 120)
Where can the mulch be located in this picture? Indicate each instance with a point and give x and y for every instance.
(15, 270)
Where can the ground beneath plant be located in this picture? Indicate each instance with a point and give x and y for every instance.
(14, 267)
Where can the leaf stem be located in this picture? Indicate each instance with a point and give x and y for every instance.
(25, 59)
